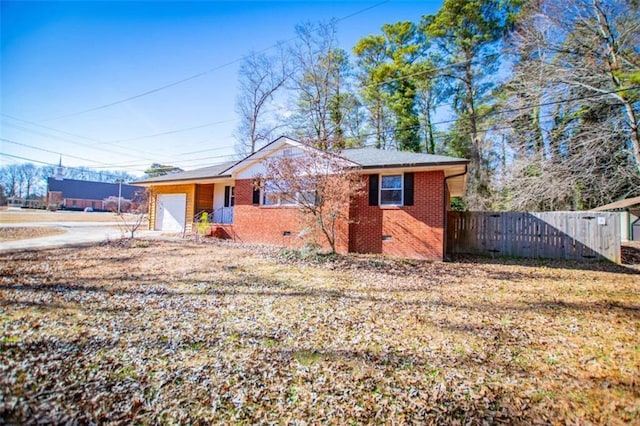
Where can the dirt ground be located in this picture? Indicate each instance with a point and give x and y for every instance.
(179, 332)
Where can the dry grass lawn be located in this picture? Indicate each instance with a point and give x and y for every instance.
(30, 215)
(24, 233)
(178, 332)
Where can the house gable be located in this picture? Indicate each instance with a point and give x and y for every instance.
(253, 165)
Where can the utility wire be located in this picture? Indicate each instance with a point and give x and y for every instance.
(106, 165)
(49, 151)
(197, 75)
(32, 160)
(51, 136)
(506, 111)
(169, 132)
(489, 114)
(427, 71)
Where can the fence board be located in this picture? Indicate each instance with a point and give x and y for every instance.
(580, 236)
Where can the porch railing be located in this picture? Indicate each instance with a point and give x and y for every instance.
(221, 215)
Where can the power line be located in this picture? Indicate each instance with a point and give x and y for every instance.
(428, 71)
(91, 146)
(81, 169)
(366, 9)
(129, 164)
(47, 127)
(449, 121)
(197, 75)
(506, 111)
(492, 113)
(27, 159)
(169, 132)
(49, 151)
(51, 136)
(204, 150)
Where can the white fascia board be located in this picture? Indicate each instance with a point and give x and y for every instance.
(264, 152)
(224, 179)
(449, 170)
(252, 165)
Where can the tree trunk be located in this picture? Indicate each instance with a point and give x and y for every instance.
(473, 129)
(608, 37)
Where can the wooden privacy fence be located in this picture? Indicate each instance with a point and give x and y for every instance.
(580, 236)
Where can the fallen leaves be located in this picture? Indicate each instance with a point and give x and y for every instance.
(220, 333)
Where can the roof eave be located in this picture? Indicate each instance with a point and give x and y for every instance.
(415, 165)
(204, 179)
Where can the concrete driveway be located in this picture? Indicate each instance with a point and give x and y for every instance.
(76, 233)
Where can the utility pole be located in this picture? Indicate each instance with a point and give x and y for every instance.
(119, 193)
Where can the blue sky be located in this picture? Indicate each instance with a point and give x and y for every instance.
(59, 59)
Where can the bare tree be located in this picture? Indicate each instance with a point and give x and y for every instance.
(260, 77)
(30, 175)
(319, 85)
(601, 53)
(12, 180)
(136, 216)
(575, 120)
(321, 184)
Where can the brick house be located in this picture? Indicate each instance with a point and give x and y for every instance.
(401, 213)
(72, 194)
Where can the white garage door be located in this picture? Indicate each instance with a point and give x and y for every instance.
(170, 212)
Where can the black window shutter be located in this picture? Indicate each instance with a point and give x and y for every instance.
(373, 190)
(256, 194)
(227, 194)
(408, 189)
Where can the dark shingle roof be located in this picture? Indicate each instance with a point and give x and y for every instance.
(374, 158)
(367, 158)
(203, 173)
(87, 190)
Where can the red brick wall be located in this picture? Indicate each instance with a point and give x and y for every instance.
(267, 224)
(82, 203)
(414, 231)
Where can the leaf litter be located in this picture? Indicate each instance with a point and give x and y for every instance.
(179, 332)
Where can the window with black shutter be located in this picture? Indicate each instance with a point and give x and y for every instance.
(256, 194)
(227, 196)
(373, 190)
(391, 190)
(408, 189)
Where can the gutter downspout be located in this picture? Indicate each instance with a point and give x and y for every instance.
(444, 211)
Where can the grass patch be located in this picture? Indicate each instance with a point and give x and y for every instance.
(24, 233)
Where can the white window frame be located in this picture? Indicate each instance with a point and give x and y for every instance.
(278, 196)
(401, 189)
(296, 199)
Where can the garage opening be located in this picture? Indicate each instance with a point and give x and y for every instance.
(171, 212)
